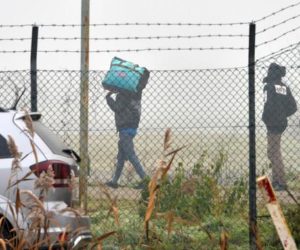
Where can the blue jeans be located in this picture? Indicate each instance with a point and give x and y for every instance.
(126, 152)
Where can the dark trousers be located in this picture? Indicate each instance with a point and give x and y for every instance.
(126, 152)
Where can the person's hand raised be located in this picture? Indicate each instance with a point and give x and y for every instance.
(110, 93)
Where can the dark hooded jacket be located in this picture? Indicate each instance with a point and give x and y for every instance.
(279, 101)
(127, 110)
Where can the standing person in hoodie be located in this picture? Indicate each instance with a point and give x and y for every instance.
(279, 104)
(127, 110)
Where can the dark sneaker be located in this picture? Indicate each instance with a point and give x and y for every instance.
(141, 185)
(279, 187)
(112, 184)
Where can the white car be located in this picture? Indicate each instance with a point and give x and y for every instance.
(37, 153)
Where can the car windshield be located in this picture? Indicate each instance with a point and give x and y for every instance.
(52, 140)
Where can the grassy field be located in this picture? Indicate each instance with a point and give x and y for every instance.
(103, 151)
(234, 144)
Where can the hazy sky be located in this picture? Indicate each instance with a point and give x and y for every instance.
(152, 11)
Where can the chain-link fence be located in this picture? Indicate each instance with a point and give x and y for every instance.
(281, 154)
(207, 111)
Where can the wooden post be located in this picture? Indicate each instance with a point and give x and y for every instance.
(276, 213)
(84, 103)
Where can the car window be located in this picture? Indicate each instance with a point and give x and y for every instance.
(52, 140)
(4, 150)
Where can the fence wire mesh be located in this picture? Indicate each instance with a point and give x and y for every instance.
(288, 145)
(207, 111)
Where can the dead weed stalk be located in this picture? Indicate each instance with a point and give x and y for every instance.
(27, 204)
(156, 180)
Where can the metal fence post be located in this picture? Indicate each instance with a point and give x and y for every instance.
(33, 67)
(84, 103)
(252, 150)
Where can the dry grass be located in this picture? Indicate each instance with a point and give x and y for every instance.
(32, 203)
(155, 182)
(30, 130)
(224, 240)
(31, 207)
(45, 181)
(113, 204)
(15, 166)
(98, 241)
(2, 244)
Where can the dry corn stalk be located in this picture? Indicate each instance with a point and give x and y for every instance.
(159, 175)
(257, 237)
(155, 182)
(2, 244)
(224, 240)
(98, 240)
(170, 218)
(153, 187)
(113, 204)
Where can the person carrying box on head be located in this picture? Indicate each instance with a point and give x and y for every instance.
(127, 81)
